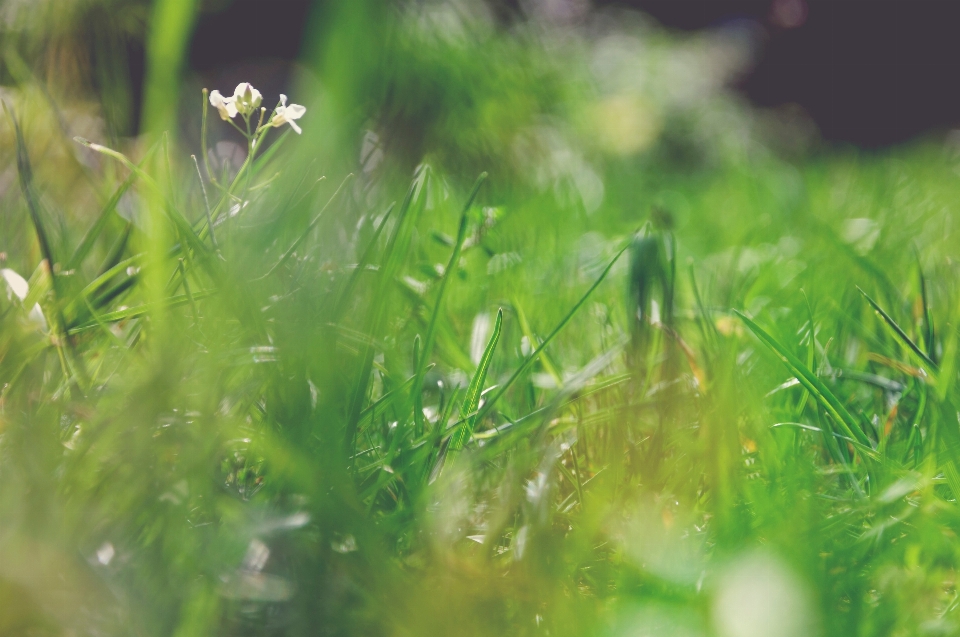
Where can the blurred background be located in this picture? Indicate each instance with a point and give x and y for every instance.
(868, 73)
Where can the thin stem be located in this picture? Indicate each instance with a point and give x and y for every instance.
(203, 142)
(206, 205)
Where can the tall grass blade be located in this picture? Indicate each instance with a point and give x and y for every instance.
(309, 228)
(183, 227)
(392, 260)
(340, 305)
(86, 244)
(929, 333)
(488, 404)
(932, 367)
(830, 403)
(25, 172)
(430, 337)
(471, 401)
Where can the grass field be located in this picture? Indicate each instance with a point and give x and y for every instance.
(715, 397)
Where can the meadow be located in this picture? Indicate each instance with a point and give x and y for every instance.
(462, 359)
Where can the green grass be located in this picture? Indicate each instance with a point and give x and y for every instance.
(724, 403)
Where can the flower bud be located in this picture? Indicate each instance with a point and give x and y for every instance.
(248, 99)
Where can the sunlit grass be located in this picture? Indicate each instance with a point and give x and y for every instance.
(300, 400)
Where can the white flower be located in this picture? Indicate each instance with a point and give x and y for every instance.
(247, 98)
(287, 114)
(225, 105)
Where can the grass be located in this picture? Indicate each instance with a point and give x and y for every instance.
(404, 405)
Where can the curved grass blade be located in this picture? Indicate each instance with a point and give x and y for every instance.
(25, 171)
(393, 257)
(345, 293)
(430, 337)
(138, 311)
(86, 244)
(74, 307)
(471, 401)
(932, 367)
(488, 405)
(812, 383)
(548, 365)
(929, 333)
(309, 228)
(183, 227)
(799, 425)
(268, 154)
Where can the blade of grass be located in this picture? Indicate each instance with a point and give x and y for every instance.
(929, 333)
(73, 366)
(345, 293)
(931, 367)
(393, 257)
(488, 405)
(548, 365)
(471, 401)
(182, 226)
(268, 154)
(116, 250)
(430, 337)
(140, 310)
(25, 172)
(310, 227)
(86, 244)
(811, 382)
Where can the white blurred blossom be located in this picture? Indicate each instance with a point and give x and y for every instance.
(758, 596)
(18, 286)
(287, 114)
(224, 105)
(247, 98)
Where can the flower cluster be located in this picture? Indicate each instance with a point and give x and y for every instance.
(246, 100)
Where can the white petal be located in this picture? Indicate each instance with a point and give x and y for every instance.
(216, 99)
(241, 88)
(17, 284)
(294, 126)
(36, 315)
(283, 100)
(294, 111)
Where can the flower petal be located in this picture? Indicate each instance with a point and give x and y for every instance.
(225, 105)
(294, 111)
(17, 284)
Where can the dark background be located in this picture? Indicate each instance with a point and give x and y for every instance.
(869, 72)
